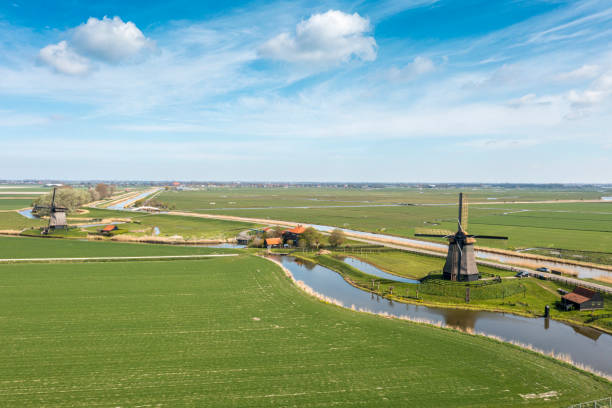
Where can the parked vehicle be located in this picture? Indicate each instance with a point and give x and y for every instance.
(542, 269)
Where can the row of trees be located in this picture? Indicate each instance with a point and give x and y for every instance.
(73, 198)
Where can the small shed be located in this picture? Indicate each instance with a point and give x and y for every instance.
(108, 229)
(273, 242)
(582, 298)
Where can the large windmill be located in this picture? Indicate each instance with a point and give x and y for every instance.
(57, 215)
(461, 261)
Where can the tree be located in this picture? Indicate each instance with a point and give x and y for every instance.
(68, 197)
(104, 190)
(311, 238)
(256, 242)
(337, 237)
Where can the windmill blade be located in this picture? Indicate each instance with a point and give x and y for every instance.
(459, 248)
(488, 237)
(432, 235)
(53, 197)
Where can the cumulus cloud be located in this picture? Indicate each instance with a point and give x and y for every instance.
(328, 38)
(62, 58)
(420, 66)
(107, 40)
(110, 40)
(584, 72)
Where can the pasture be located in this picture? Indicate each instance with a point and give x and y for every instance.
(217, 198)
(580, 226)
(30, 247)
(237, 332)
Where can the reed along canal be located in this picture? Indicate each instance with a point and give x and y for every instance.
(584, 345)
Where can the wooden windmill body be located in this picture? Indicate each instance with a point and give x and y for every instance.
(57, 215)
(460, 262)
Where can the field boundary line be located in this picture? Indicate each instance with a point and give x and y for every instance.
(114, 258)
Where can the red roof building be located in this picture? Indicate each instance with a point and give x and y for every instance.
(273, 242)
(582, 298)
(297, 230)
(109, 228)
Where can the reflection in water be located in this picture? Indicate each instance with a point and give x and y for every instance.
(460, 318)
(589, 332)
(589, 347)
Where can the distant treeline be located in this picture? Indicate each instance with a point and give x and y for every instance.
(73, 198)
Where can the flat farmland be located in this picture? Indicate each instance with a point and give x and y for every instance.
(14, 203)
(577, 226)
(237, 332)
(11, 220)
(218, 198)
(30, 247)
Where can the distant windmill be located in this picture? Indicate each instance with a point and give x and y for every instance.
(57, 215)
(461, 261)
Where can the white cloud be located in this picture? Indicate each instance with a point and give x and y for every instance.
(110, 40)
(420, 66)
(331, 37)
(597, 93)
(63, 59)
(584, 72)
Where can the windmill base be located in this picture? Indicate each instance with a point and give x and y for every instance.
(460, 264)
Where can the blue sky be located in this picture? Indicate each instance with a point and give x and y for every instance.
(410, 91)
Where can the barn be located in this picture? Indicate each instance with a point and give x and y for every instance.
(108, 229)
(273, 242)
(293, 234)
(582, 298)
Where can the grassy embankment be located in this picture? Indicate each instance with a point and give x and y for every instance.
(236, 332)
(526, 297)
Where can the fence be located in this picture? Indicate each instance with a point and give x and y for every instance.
(493, 290)
(601, 403)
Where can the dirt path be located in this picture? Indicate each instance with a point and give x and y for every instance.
(548, 289)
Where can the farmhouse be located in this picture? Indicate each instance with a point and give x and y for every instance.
(273, 242)
(293, 234)
(582, 299)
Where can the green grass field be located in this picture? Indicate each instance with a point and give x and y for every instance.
(236, 332)
(310, 196)
(27, 247)
(12, 220)
(14, 203)
(582, 227)
(186, 227)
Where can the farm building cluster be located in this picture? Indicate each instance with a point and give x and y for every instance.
(270, 237)
(289, 237)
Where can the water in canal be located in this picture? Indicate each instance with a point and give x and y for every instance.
(124, 204)
(584, 345)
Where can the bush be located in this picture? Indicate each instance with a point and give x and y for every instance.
(336, 238)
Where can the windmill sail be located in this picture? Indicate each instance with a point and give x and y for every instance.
(463, 212)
